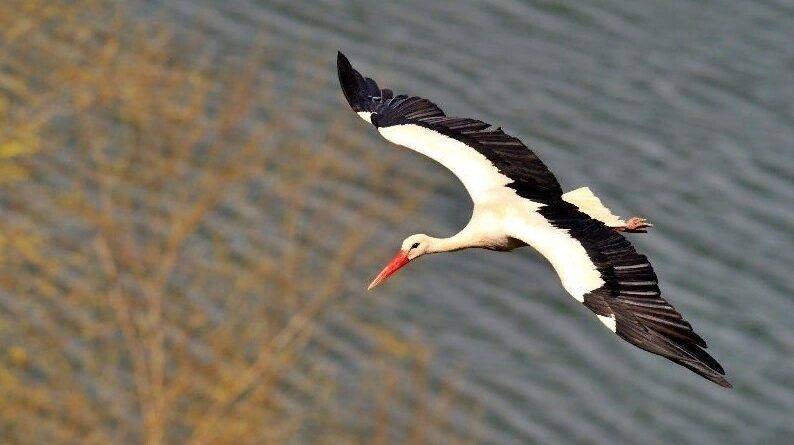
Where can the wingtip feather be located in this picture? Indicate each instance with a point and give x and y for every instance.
(348, 80)
(341, 59)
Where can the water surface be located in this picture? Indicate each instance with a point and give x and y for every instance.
(679, 111)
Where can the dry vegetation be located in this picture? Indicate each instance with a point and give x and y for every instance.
(178, 260)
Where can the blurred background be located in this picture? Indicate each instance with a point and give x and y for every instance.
(190, 213)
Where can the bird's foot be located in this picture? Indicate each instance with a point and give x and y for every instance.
(635, 224)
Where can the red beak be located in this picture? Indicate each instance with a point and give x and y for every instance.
(399, 260)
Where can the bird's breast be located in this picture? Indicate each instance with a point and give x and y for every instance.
(504, 244)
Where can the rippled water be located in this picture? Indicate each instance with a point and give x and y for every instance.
(679, 111)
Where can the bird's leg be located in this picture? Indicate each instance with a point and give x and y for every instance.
(635, 224)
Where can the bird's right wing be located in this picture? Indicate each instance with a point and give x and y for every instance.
(485, 159)
(601, 269)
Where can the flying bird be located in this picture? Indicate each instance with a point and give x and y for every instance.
(519, 202)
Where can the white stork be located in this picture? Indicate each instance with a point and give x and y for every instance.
(518, 202)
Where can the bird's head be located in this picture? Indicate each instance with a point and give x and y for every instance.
(412, 247)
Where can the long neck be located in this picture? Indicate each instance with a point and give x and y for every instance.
(464, 239)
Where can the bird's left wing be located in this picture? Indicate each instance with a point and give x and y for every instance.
(483, 158)
(601, 269)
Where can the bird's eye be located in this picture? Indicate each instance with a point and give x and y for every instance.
(414, 245)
